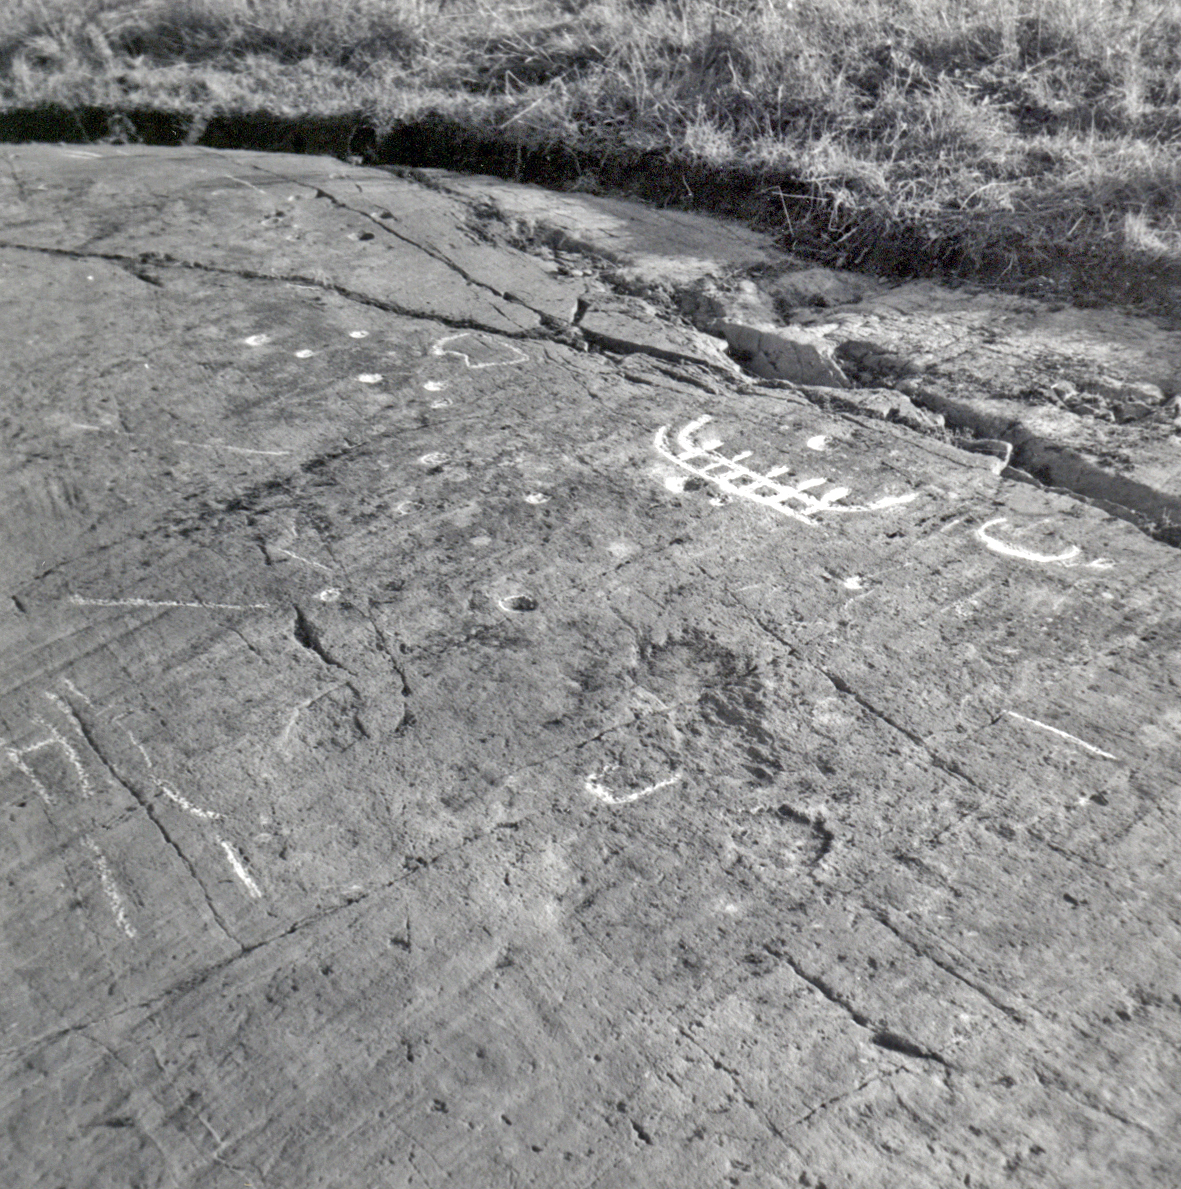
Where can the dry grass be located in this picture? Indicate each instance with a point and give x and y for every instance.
(978, 132)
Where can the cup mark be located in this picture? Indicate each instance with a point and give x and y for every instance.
(518, 603)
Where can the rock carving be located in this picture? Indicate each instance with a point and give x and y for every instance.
(596, 788)
(728, 474)
(1033, 722)
(55, 738)
(82, 601)
(306, 560)
(1065, 558)
(110, 887)
(442, 347)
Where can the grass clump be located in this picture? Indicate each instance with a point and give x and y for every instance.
(994, 137)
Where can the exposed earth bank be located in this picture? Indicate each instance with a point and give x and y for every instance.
(479, 710)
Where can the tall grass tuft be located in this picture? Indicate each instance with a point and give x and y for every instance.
(978, 122)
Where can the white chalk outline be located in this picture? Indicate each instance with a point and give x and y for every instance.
(1000, 547)
(76, 691)
(16, 756)
(204, 815)
(593, 784)
(57, 737)
(282, 740)
(439, 349)
(54, 737)
(81, 601)
(1066, 558)
(735, 479)
(307, 561)
(110, 887)
(231, 449)
(239, 869)
(241, 181)
(1033, 722)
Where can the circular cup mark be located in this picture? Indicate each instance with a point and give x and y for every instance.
(407, 506)
(371, 377)
(434, 459)
(435, 385)
(358, 334)
(518, 603)
(304, 353)
(257, 340)
(328, 595)
(441, 404)
(537, 497)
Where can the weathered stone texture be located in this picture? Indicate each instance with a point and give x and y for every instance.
(437, 753)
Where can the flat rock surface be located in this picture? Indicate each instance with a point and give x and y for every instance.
(1097, 381)
(434, 753)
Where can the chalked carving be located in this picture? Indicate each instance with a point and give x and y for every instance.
(70, 745)
(730, 475)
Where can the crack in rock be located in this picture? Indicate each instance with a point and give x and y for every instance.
(145, 802)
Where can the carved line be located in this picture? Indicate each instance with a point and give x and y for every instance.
(1016, 551)
(110, 887)
(306, 560)
(16, 758)
(71, 754)
(440, 349)
(595, 787)
(230, 449)
(1033, 722)
(54, 737)
(80, 601)
(239, 869)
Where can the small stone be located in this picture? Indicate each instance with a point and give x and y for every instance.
(820, 287)
(785, 353)
(1130, 410)
(872, 360)
(707, 306)
(1122, 390)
